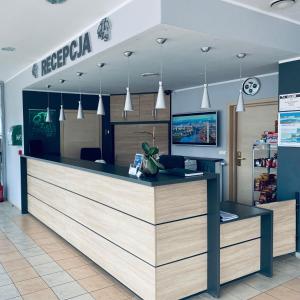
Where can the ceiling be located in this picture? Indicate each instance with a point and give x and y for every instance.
(25, 26)
(183, 63)
(291, 13)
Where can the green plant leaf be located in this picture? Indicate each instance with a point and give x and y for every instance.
(153, 151)
(146, 148)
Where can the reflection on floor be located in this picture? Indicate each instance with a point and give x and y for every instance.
(35, 264)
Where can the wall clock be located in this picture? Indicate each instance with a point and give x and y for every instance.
(251, 86)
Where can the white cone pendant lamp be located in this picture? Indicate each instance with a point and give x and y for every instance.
(160, 101)
(240, 107)
(48, 113)
(128, 103)
(80, 114)
(205, 104)
(62, 116)
(100, 108)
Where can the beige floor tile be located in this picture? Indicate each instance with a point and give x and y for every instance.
(68, 290)
(54, 247)
(263, 297)
(110, 293)
(30, 286)
(95, 283)
(16, 265)
(23, 274)
(239, 290)
(10, 256)
(83, 272)
(73, 262)
(293, 284)
(283, 293)
(46, 241)
(63, 254)
(7, 249)
(41, 295)
(35, 251)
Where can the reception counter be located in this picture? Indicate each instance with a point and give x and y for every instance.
(161, 237)
(158, 236)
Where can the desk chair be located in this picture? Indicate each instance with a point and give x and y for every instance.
(90, 154)
(172, 161)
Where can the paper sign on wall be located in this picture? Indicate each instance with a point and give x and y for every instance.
(289, 129)
(289, 102)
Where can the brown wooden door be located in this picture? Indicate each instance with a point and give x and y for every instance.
(147, 103)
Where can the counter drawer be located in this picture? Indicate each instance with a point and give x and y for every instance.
(239, 260)
(240, 231)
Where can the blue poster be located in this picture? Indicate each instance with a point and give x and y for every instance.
(289, 129)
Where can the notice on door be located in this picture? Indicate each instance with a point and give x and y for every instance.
(289, 129)
(289, 102)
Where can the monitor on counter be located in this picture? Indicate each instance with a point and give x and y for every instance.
(195, 128)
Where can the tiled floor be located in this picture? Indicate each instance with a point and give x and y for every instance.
(36, 264)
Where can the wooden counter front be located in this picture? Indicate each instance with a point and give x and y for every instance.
(151, 238)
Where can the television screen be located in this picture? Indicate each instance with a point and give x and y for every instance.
(195, 129)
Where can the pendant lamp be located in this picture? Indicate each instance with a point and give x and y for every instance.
(80, 114)
(160, 101)
(240, 107)
(100, 108)
(62, 116)
(205, 104)
(48, 114)
(128, 103)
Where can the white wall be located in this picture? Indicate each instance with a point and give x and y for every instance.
(221, 96)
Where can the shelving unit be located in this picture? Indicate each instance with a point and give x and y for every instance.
(264, 173)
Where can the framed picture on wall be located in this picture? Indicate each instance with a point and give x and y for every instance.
(289, 129)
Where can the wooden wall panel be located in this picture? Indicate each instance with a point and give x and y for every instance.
(177, 240)
(183, 200)
(117, 193)
(129, 139)
(239, 260)
(182, 278)
(240, 231)
(131, 271)
(284, 226)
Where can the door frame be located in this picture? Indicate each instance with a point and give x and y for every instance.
(232, 144)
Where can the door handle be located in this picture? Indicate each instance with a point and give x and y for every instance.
(239, 161)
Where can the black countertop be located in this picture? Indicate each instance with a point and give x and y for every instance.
(242, 210)
(120, 172)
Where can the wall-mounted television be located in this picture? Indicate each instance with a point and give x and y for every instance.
(195, 129)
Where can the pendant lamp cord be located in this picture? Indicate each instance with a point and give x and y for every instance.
(240, 72)
(161, 62)
(79, 88)
(48, 98)
(205, 79)
(128, 73)
(100, 87)
(61, 98)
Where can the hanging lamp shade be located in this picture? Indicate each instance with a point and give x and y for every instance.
(100, 109)
(205, 104)
(80, 114)
(128, 103)
(62, 116)
(160, 101)
(240, 105)
(48, 115)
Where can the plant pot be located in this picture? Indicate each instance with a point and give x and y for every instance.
(149, 168)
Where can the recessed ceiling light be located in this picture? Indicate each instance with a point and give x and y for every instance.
(56, 1)
(8, 49)
(281, 4)
(149, 74)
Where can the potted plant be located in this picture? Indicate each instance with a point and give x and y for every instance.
(150, 165)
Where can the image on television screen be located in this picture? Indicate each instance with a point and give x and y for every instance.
(198, 129)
